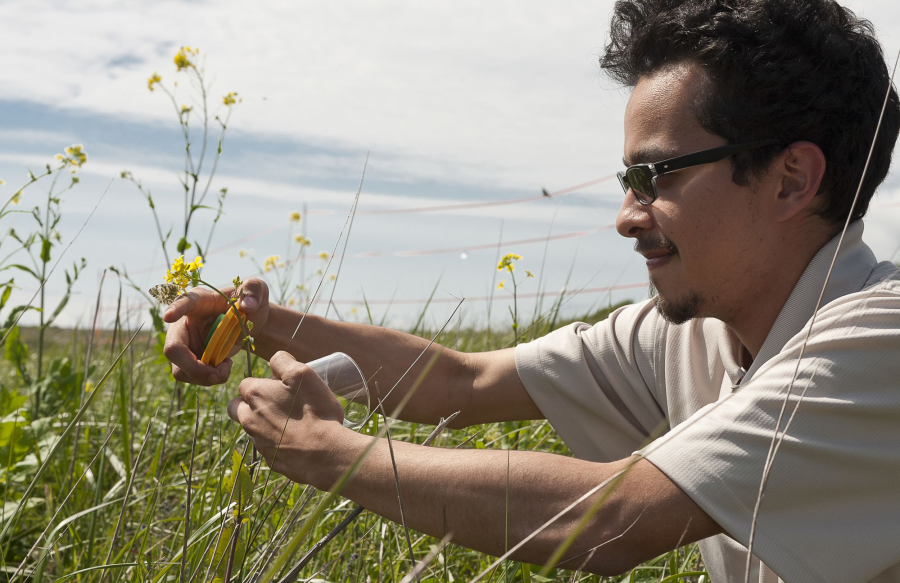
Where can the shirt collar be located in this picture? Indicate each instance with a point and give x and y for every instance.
(854, 264)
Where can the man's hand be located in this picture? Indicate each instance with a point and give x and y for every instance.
(191, 317)
(293, 413)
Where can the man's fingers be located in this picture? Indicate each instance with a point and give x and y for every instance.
(201, 301)
(234, 408)
(286, 368)
(185, 364)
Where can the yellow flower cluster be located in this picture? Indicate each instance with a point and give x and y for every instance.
(272, 262)
(153, 80)
(295, 217)
(507, 262)
(230, 99)
(323, 255)
(501, 284)
(302, 241)
(183, 57)
(181, 274)
(243, 253)
(74, 156)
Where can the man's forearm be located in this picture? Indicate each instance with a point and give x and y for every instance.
(382, 354)
(485, 496)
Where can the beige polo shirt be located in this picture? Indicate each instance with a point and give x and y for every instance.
(832, 506)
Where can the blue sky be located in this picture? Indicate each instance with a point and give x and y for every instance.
(457, 103)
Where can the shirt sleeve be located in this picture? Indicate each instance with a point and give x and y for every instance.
(832, 502)
(596, 384)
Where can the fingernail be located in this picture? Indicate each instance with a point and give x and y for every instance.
(249, 303)
(213, 378)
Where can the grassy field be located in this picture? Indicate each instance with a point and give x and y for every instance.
(142, 487)
(111, 471)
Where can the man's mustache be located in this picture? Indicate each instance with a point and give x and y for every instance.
(654, 243)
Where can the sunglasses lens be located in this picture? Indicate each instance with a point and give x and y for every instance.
(640, 180)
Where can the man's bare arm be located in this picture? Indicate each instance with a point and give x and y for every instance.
(483, 387)
(467, 491)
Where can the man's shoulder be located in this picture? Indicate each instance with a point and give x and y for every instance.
(884, 278)
(881, 292)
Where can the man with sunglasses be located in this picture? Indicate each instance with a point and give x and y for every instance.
(746, 134)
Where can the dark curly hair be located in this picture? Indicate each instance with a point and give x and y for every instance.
(785, 69)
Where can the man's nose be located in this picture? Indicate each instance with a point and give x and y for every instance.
(633, 217)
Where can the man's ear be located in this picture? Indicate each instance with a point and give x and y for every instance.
(802, 167)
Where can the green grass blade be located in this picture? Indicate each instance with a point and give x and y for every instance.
(59, 442)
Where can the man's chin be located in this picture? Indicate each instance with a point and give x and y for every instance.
(681, 309)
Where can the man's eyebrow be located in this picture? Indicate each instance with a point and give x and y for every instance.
(648, 155)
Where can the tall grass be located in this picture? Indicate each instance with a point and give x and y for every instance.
(130, 476)
(134, 522)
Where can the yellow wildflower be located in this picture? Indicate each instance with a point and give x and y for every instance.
(507, 262)
(500, 285)
(17, 197)
(271, 262)
(528, 273)
(88, 386)
(323, 255)
(230, 99)
(183, 58)
(332, 277)
(242, 253)
(74, 156)
(302, 241)
(182, 274)
(295, 217)
(2, 182)
(353, 311)
(186, 109)
(292, 302)
(153, 80)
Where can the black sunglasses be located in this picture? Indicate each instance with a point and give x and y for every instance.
(641, 178)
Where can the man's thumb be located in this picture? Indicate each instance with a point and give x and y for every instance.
(254, 294)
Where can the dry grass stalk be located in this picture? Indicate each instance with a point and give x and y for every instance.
(187, 501)
(62, 504)
(349, 219)
(387, 432)
(776, 441)
(115, 538)
(420, 566)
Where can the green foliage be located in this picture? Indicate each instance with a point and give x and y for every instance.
(60, 386)
(16, 352)
(243, 492)
(149, 546)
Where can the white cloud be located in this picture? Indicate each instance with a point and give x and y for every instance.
(492, 94)
(499, 92)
